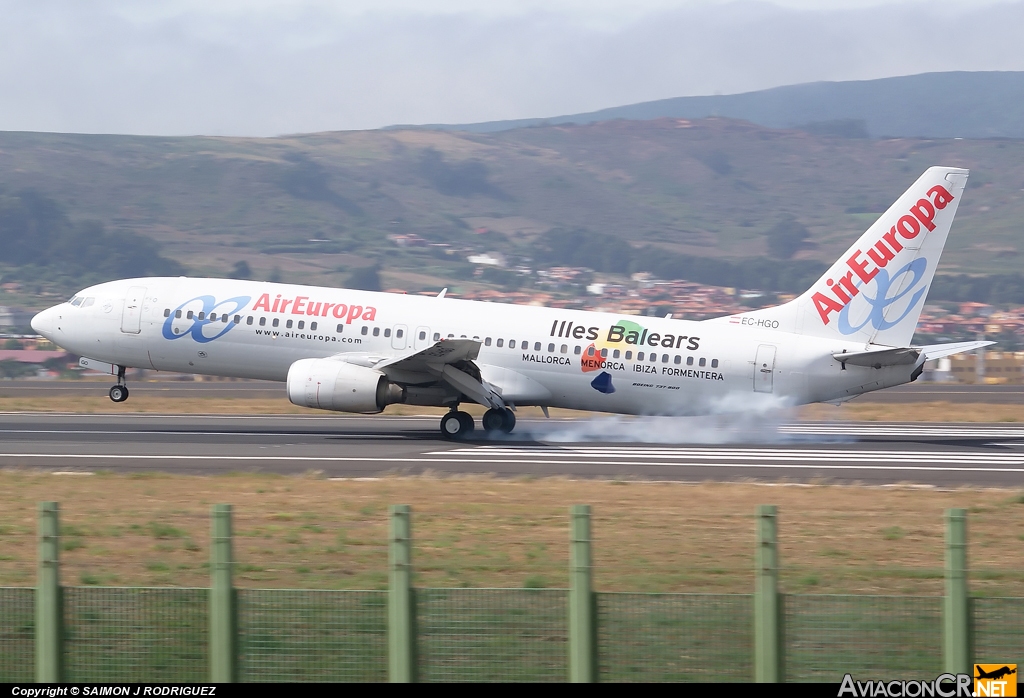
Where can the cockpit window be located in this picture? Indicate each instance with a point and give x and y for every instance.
(88, 301)
(77, 301)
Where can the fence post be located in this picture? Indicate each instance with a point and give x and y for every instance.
(401, 602)
(767, 606)
(223, 627)
(49, 614)
(956, 616)
(582, 620)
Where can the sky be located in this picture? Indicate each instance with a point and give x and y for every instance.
(273, 67)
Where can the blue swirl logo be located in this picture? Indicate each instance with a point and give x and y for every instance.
(195, 318)
(881, 300)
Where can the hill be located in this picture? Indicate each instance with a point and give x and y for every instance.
(930, 105)
(767, 206)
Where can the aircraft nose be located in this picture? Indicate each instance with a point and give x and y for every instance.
(43, 322)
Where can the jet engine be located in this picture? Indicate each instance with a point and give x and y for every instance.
(343, 387)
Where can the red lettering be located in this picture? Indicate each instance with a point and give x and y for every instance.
(825, 305)
(263, 303)
(940, 196)
(847, 283)
(840, 294)
(890, 238)
(908, 227)
(327, 306)
(284, 305)
(880, 254)
(339, 310)
(354, 312)
(924, 212)
(313, 309)
(300, 303)
(861, 268)
(277, 301)
(370, 313)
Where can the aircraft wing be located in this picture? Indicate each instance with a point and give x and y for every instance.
(450, 361)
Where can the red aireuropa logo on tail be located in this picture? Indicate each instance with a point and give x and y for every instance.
(908, 227)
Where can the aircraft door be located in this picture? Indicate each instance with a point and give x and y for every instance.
(398, 336)
(422, 340)
(764, 369)
(131, 318)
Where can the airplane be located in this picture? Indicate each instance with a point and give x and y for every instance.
(358, 351)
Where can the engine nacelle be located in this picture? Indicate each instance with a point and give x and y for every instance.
(343, 387)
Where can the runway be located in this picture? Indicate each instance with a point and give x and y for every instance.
(366, 447)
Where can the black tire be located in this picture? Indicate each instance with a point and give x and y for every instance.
(119, 393)
(494, 420)
(509, 422)
(456, 425)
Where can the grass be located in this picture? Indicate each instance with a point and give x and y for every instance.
(479, 531)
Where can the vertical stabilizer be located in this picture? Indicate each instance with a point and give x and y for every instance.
(875, 292)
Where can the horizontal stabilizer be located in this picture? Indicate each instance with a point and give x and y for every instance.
(937, 351)
(877, 358)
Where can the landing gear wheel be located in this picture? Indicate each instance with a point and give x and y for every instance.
(503, 420)
(119, 393)
(456, 425)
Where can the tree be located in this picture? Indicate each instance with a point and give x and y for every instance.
(365, 279)
(241, 270)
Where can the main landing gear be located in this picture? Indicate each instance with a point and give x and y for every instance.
(119, 393)
(457, 425)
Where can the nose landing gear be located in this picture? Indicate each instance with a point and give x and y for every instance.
(119, 393)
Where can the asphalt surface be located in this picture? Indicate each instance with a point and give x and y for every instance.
(914, 392)
(364, 447)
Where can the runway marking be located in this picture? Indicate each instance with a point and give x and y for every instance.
(948, 431)
(737, 453)
(512, 461)
(167, 432)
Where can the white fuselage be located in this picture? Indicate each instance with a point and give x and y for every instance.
(574, 359)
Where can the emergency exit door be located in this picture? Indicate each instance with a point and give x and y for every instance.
(764, 369)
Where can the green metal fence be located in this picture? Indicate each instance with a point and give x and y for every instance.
(492, 634)
(884, 637)
(135, 634)
(998, 630)
(675, 637)
(17, 634)
(297, 635)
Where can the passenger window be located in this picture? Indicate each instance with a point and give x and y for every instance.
(462, 336)
(312, 326)
(604, 353)
(500, 343)
(288, 324)
(302, 324)
(213, 317)
(565, 348)
(248, 320)
(578, 350)
(387, 332)
(276, 322)
(263, 322)
(629, 355)
(703, 362)
(615, 354)
(714, 363)
(590, 350)
(511, 344)
(399, 333)
(678, 359)
(376, 332)
(639, 356)
(475, 338)
(189, 315)
(689, 361)
(664, 358)
(177, 313)
(654, 356)
(364, 330)
(167, 312)
(551, 347)
(224, 318)
(437, 336)
(238, 319)
(340, 328)
(451, 336)
(202, 315)
(487, 342)
(536, 346)
(423, 335)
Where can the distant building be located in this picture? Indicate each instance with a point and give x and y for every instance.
(493, 259)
